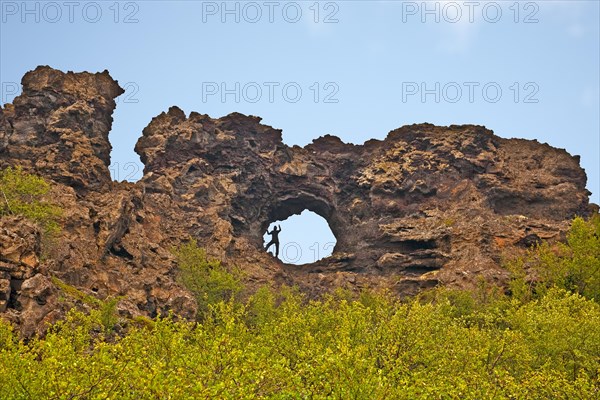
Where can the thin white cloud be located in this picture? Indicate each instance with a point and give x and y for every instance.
(457, 37)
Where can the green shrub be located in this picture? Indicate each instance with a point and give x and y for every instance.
(444, 344)
(573, 265)
(262, 307)
(105, 309)
(208, 280)
(109, 316)
(374, 347)
(23, 194)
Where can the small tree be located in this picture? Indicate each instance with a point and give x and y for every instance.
(208, 280)
(573, 265)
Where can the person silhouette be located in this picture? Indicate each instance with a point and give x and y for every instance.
(274, 239)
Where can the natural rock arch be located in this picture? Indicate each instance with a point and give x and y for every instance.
(283, 208)
(426, 205)
(307, 238)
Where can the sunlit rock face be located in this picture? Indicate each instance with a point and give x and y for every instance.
(428, 205)
(59, 126)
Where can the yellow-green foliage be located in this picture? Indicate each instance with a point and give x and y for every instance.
(107, 309)
(445, 344)
(207, 279)
(23, 194)
(286, 348)
(574, 265)
(75, 293)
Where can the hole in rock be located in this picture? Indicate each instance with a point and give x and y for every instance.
(304, 238)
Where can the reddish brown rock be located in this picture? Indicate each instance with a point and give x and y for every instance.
(428, 205)
(59, 126)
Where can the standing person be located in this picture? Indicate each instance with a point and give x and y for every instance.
(274, 239)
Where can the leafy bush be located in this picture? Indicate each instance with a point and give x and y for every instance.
(23, 194)
(444, 344)
(371, 348)
(573, 266)
(109, 316)
(208, 280)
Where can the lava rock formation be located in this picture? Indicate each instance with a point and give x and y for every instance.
(427, 205)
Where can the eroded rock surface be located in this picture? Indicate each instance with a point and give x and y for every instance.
(428, 205)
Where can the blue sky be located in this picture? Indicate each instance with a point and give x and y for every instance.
(355, 69)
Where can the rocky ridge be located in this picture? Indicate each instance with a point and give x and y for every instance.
(427, 205)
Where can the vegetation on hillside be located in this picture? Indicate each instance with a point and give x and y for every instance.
(208, 280)
(279, 346)
(540, 341)
(573, 265)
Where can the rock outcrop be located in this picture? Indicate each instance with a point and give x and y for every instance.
(428, 205)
